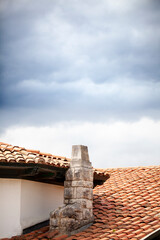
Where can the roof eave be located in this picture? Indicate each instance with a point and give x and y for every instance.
(153, 235)
(41, 173)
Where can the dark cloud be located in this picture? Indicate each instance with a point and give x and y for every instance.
(90, 60)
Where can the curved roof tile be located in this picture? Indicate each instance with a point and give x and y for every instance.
(16, 154)
(126, 206)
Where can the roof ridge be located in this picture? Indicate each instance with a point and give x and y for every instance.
(127, 168)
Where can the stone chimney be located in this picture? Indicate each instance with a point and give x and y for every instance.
(77, 212)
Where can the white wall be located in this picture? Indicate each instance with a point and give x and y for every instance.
(37, 201)
(10, 191)
(25, 203)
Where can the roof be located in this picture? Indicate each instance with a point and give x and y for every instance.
(20, 157)
(126, 206)
(16, 154)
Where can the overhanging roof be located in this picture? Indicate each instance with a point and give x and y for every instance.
(21, 163)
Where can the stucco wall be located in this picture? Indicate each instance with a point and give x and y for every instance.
(37, 201)
(25, 203)
(10, 191)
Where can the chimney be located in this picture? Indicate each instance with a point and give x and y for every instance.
(77, 212)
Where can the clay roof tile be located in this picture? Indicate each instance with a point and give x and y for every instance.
(126, 206)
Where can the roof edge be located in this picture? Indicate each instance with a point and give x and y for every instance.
(152, 235)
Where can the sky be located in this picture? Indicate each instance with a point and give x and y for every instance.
(82, 72)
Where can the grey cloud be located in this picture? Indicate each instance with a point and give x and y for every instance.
(56, 46)
(84, 102)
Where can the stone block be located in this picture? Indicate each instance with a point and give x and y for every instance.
(89, 204)
(68, 193)
(87, 193)
(82, 174)
(80, 163)
(80, 152)
(54, 213)
(69, 175)
(87, 174)
(54, 222)
(88, 184)
(80, 192)
(84, 193)
(78, 175)
(69, 212)
(82, 183)
(66, 201)
(82, 202)
(78, 183)
(87, 214)
(67, 184)
(67, 224)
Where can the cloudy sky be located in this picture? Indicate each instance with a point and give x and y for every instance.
(82, 72)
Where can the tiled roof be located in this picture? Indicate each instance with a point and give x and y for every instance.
(9, 153)
(126, 206)
(16, 154)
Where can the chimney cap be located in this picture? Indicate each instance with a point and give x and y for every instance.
(80, 152)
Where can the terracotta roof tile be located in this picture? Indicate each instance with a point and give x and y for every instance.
(9, 153)
(15, 154)
(126, 206)
(128, 203)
